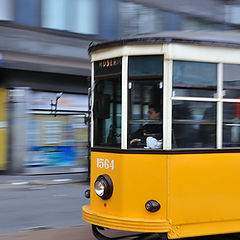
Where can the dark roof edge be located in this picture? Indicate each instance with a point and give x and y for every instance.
(158, 40)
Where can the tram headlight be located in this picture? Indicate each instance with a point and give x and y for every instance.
(103, 186)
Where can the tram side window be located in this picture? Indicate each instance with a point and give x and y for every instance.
(194, 79)
(145, 102)
(231, 109)
(194, 122)
(107, 104)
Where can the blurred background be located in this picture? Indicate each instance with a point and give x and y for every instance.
(44, 64)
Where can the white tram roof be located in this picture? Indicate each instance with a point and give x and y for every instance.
(207, 38)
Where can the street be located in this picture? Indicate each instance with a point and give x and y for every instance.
(45, 207)
(82, 232)
(42, 204)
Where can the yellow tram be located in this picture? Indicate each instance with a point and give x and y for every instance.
(165, 154)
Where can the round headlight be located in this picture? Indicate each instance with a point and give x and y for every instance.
(103, 186)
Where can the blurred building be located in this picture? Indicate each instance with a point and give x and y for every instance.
(43, 51)
(37, 65)
(116, 18)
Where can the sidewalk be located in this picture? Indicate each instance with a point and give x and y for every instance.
(13, 181)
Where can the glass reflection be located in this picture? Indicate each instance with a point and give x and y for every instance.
(231, 124)
(181, 92)
(231, 80)
(194, 124)
(195, 73)
(107, 113)
(194, 79)
(145, 114)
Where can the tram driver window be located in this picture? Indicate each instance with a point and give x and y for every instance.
(145, 102)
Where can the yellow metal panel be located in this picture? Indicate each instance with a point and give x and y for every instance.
(3, 129)
(136, 179)
(203, 188)
(199, 193)
(201, 229)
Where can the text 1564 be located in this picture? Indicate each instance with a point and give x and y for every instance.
(105, 163)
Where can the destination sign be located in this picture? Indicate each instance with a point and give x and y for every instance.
(108, 66)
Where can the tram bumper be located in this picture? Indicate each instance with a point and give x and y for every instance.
(126, 224)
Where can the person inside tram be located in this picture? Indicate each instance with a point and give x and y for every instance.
(149, 134)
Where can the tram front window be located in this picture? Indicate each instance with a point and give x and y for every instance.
(145, 102)
(107, 113)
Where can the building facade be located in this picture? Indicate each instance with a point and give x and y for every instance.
(44, 100)
(112, 19)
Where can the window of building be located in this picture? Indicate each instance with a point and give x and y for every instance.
(79, 16)
(136, 18)
(194, 24)
(7, 10)
(108, 19)
(232, 13)
(28, 12)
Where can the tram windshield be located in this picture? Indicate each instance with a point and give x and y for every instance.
(145, 102)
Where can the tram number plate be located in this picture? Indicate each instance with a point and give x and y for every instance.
(105, 163)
